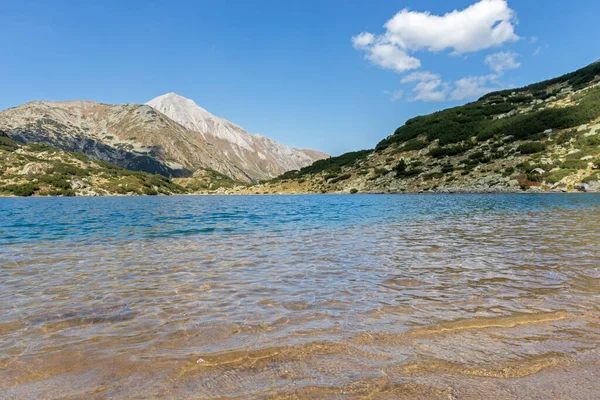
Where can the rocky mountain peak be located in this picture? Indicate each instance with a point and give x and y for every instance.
(258, 155)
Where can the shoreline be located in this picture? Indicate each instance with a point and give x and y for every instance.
(454, 192)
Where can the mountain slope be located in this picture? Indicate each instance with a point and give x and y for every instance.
(544, 136)
(42, 170)
(257, 155)
(135, 137)
(141, 138)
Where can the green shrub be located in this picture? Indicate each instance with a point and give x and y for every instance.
(80, 156)
(353, 191)
(40, 147)
(342, 177)
(575, 156)
(591, 178)
(25, 190)
(414, 144)
(592, 140)
(557, 176)
(566, 137)
(58, 181)
(68, 169)
(508, 171)
(485, 136)
(447, 168)
(439, 152)
(533, 177)
(400, 168)
(433, 175)
(531, 148)
(574, 164)
(7, 144)
(478, 155)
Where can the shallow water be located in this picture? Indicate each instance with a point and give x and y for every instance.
(324, 297)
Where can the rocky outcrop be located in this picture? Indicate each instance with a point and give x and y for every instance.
(259, 156)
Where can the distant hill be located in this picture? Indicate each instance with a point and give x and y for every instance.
(142, 138)
(544, 136)
(42, 170)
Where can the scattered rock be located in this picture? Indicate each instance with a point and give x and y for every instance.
(34, 168)
(77, 184)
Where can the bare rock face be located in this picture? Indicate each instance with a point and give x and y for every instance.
(34, 168)
(257, 155)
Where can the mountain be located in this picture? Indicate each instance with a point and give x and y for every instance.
(42, 170)
(259, 156)
(132, 136)
(545, 136)
(141, 138)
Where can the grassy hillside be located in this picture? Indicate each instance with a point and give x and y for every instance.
(531, 137)
(37, 169)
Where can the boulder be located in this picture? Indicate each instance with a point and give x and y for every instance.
(77, 184)
(34, 168)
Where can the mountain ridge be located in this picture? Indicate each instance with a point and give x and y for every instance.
(541, 137)
(261, 155)
(139, 137)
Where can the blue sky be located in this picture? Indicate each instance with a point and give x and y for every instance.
(332, 75)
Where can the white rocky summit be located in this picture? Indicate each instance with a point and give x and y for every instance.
(257, 155)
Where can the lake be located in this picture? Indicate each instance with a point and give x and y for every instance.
(294, 297)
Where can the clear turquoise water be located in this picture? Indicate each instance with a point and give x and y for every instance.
(79, 219)
(329, 296)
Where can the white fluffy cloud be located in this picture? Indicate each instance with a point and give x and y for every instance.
(482, 25)
(391, 57)
(434, 90)
(502, 61)
(431, 87)
(428, 87)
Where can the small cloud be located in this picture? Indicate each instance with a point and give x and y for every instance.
(420, 76)
(533, 39)
(540, 49)
(502, 61)
(473, 87)
(395, 95)
(434, 90)
(428, 87)
(391, 57)
(363, 40)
